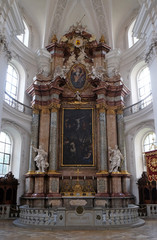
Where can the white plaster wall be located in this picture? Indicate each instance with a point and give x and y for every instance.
(20, 152)
(136, 126)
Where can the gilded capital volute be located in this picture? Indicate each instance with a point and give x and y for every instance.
(54, 107)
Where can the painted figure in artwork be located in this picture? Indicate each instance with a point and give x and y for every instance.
(115, 158)
(78, 77)
(77, 139)
(40, 159)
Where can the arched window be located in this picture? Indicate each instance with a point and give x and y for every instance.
(24, 38)
(141, 84)
(131, 39)
(144, 85)
(12, 81)
(149, 142)
(5, 153)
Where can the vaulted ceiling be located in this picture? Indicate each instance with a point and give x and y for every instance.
(100, 16)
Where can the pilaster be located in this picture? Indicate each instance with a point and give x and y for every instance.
(44, 128)
(103, 138)
(5, 56)
(111, 127)
(151, 59)
(113, 61)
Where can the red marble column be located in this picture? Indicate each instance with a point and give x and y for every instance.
(44, 128)
(111, 127)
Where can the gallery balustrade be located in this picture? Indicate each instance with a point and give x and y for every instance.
(138, 106)
(17, 105)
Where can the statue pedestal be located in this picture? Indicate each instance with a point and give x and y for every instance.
(53, 184)
(116, 185)
(29, 186)
(39, 190)
(102, 185)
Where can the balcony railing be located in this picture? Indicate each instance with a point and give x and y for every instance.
(17, 105)
(138, 106)
(127, 111)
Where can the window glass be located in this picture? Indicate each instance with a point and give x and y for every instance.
(5, 153)
(24, 38)
(144, 86)
(12, 81)
(131, 40)
(149, 142)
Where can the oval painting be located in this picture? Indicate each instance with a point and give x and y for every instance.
(78, 76)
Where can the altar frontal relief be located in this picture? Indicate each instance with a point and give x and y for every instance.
(77, 137)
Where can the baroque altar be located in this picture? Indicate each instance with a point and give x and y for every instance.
(78, 123)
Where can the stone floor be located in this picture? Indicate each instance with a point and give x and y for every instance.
(10, 232)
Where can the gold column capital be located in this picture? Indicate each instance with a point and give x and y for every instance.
(120, 110)
(101, 106)
(38, 108)
(45, 110)
(111, 110)
(54, 107)
(35, 111)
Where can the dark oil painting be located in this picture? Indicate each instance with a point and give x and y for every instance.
(78, 76)
(77, 137)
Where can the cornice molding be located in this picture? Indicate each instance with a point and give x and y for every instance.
(11, 20)
(23, 52)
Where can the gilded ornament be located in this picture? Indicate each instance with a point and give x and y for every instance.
(45, 110)
(111, 111)
(120, 111)
(35, 111)
(54, 39)
(102, 172)
(102, 39)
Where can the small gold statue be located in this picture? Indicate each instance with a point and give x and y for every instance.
(54, 39)
(102, 39)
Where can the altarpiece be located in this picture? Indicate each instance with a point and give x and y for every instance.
(77, 116)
